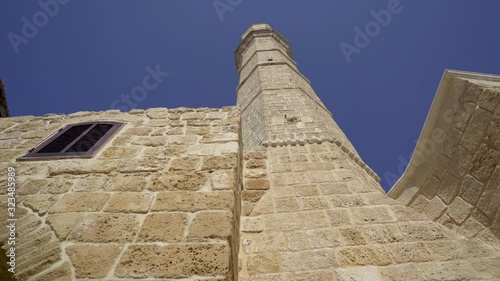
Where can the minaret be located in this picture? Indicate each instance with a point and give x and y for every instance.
(277, 102)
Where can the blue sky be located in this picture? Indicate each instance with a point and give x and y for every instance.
(86, 54)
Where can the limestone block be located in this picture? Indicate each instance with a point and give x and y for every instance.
(92, 261)
(149, 141)
(452, 141)
(38, 265)
(208, 225)
(185, 163)
(157, 113)
(139, 131)
(80, 167)
(219, 162)
(39, 203)
(80, 202)
(400, 272)
(487, 267)
(219, 138)
(282, 222)
(347, 200)
(129, 202)
(320, 176)
(182, 201)
(471, 189)
(352, 235)
(297, 241)
(435, 208)
(182, 140)
(305, 190)
(44, 186)
(314, 203)
(359, 273)
(410, 252)
(179, 180)
(456, 270)
(90, 184)
(255, 173)
(102, 228)
(257, 184)
(484, 163)
(459, 210)
(120, 152)
(430, 187)
(382, 233)
(264, 263)
(493, 134)
(421, 231)
(287, 204)
(308, 260)
(476, 129)
(460, 163)
(339, 217)
(489, 99)
(364, 215)
(252, 224)
(404, 213)
(460, 249)
(62, 224)
(256, 164)
(463, 114)
(163, 227)
(320, 275)
(271, 242)
(362, 255)
(449, 189)
(223, 179)
(323, 238)
(489, 201)
(59, 273)
(314, 219)
(174, 261)
(334, 188)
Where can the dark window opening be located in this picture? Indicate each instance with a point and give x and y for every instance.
(76, 140)
(269, 59)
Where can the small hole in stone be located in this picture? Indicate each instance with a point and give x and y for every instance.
(269, 59)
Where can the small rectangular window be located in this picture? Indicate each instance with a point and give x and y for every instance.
(75, 140)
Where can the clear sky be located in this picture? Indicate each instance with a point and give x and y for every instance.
(83, 55)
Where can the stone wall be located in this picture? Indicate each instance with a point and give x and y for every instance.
(462, 188)
(314, 212)
(159, 200)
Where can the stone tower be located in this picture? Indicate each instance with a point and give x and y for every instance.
(270, 190)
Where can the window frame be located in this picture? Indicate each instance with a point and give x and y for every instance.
(33, 154)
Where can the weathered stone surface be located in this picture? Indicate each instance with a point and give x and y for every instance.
(362, 255)
(449, 188)
(62, 224)
(264, 263)
(185, 163)
(219, 162)
(129, 202)
(209, 225)
(400, 272)
(102, 228)
(39, 203)
(475, 130)
(456, 270)
(489, 202)
(194, 201)
(459, 210)
(90, 184)
(421, 231)
(323, 238)
(308, 260)
(435, 208)
(130, 183)
(359, 273)
(484, 162)
(174, 261)
(382, 233)
(225, 179)
(271, 242)
(80, 202)
(92, 261)
(410, 252)
(59, 273)
(364, 215)
(471, 189)
(257, 184)
(179, 180)
(339, 217)
(171, 230)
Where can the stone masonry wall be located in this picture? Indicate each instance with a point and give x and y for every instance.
(463, 189)
(158, 201)
(312, 212)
